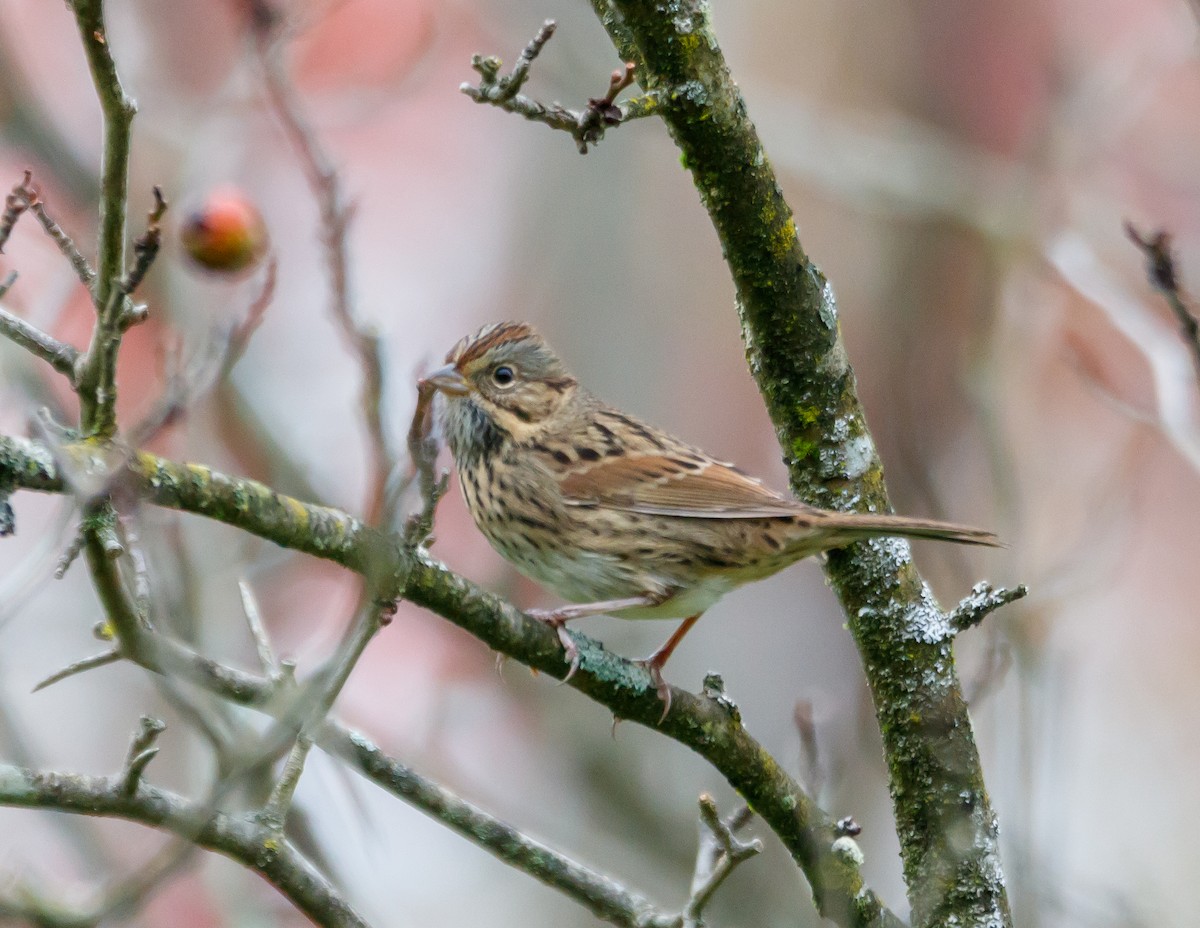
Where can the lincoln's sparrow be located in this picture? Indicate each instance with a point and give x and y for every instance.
(611, 513)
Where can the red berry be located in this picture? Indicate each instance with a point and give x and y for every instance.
(226, 233)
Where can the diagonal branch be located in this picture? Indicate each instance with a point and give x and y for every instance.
(700, 722)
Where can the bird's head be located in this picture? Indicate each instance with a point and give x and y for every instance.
(503, 382)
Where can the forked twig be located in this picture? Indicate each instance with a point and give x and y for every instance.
(719, 854)
(587, 126)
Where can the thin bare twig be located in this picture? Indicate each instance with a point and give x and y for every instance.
(145, 248)
(70, 554)
(1163, 275)
(422, 456)
(719, 854)
(237, 340)
(104, 658)
(587, 126)
(262, 644)
(59, 355)
(187, 381)
(25, 196)
(14, 205)
(336, 214)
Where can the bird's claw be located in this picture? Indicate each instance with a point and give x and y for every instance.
(559, 624)
(664, 688)
(571, 648)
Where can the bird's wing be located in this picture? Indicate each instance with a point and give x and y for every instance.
(687, 484)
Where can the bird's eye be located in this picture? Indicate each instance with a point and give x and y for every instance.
(503, 375)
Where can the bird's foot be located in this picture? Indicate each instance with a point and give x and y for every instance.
(654, 667)
(556, 620)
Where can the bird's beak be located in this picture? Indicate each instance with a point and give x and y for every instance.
(448, 380)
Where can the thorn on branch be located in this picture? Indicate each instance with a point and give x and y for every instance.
(1164, 277)
(110, 656)
(141, 752)
(982, 601)
(14, 205)
(70, 553)
(587, 126)
(422, 456)
(145, 250)
(262, 644)
(8, 282)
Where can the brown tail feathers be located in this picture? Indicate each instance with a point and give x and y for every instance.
(868, 525)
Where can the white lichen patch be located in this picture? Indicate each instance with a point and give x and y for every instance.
(859, 454)
(847, 849)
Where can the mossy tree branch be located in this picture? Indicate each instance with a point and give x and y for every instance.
(948, 832)
(711, 727)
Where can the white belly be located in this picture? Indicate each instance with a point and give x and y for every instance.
(692, 601)
(587, 577)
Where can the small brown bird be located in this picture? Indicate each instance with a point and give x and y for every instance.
(610, 513)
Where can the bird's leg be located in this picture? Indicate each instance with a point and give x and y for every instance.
(558, 619)
(654, 663)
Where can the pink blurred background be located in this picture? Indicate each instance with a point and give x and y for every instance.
(961, 173)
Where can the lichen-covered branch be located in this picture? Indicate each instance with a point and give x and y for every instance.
(948, 832)
(238, 837)
(707, 725)
(603, 897)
